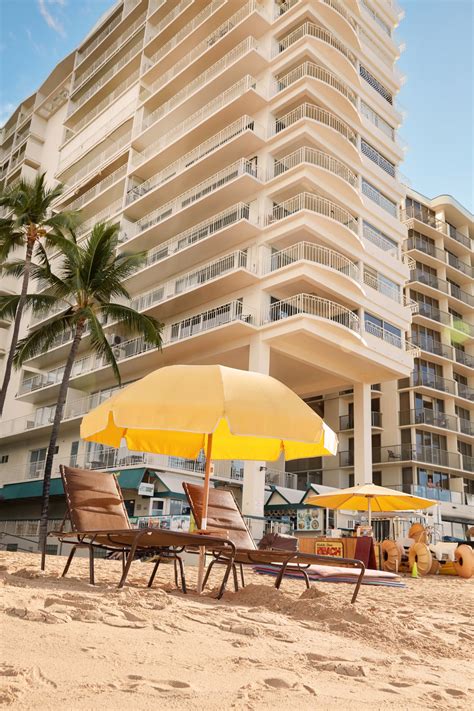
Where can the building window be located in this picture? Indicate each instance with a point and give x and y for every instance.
(36, 463)
(377, 478)
(4, 458)
(74, 453)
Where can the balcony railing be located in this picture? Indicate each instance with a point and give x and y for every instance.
(314, 71)
(100, 37)
(98, 188)
(313, 203)
(231, 312)
(311, 305)
(375, 236)
(418, 243)
(314, 113)
(392, 338)
(80, 79)
(101, 216)
(467, 463)
(310, 29)
(94, 165)
(155, 30)
(416, 453)
(246, 46)
(192, 280)
(466, 426)
(465, 391)
(205, 44)
(393, 291)
(463, 358)
(376, 196)
(377, 120)
(313, 157)
(434, 313)
(346, 422)
(227, 96)
(432, 346)
(195, 234)
(210, 185)
(425, 416)
(310, 252)
(245, 123)
(414, 213)
(428, 380)
(109, 99)
(184, 32)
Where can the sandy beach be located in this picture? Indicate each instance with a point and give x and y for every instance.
(66, 644)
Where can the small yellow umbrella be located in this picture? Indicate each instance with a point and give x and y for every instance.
(369, 497)
(180, 410)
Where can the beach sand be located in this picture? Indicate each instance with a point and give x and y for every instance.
(66, 644)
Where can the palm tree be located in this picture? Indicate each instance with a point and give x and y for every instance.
(89, 277)
(31, 221)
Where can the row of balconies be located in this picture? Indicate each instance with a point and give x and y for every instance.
(428, 279)
(398, 453)
(107, 101)
(442, 255)
(426, 379)
(430, 345)
(447, 319)
(425, 416)
(414, 213)
(300, 304)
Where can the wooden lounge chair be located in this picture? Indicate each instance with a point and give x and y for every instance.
(224, 515)
(99, 520)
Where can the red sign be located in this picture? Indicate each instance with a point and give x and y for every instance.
(330, 548)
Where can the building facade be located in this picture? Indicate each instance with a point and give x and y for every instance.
(251, 149)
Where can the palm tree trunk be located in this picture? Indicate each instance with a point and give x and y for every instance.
(43, 532)
(16, 327)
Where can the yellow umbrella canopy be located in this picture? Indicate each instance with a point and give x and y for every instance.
(175, 409)
(369, 497)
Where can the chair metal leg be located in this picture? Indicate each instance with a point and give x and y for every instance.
(175, 565)
(91, 565)
(69, 561)
(236, 580)
(230, 563)
(130, 557)
(281, 574)
(208, 572)
(183, 579)
(242, 575)
(359, 582)
(153, 573)
(123, 558)
(306, 578)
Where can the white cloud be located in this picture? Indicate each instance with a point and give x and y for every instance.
(45, 8)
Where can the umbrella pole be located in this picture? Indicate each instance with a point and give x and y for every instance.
(369, 506)
(205, 501)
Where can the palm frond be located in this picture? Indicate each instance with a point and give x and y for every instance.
(135, 322)
(14, 268)
(44, 338)
(100, 344)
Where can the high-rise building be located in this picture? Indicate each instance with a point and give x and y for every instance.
(251, 149)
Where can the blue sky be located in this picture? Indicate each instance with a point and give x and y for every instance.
(438, 62)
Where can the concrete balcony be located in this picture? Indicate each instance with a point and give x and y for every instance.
(249, 19)
(371, 192)
(100, 106)
(328, 125)
(194, 245)
(346, 422)
(233, 183)
(331, 89)
(415, 218)
(342, 58)
(168, 25)
(101, 192)
(436, 284)
(423, 379)
(243, 97)
(428, 418)
(397, 453)
(433, 347)
(317, 254)
(106, 32)
(178, 343)
(106, 214)
(334, 175)
(242, 136)
(415, 243)
(245, 57)
(432, 313)
(202, 284)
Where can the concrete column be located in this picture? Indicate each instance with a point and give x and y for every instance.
(362, 434)
(253, 492)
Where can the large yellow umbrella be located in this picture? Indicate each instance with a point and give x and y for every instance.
(180, 410)
(369, 497)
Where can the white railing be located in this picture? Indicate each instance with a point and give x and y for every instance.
(197, 84)
(377, 120)
(392, 338)
(126, 113)
(184, 32)
(80, 79)
(315, 71)
(105, 77)
(195, 234)
(376, 196)
(215, 182)
(376, 157)
(244, 123)
(231, 312)
(196, 118)
(393, 291)
(51, 311)
(204, 45)
(373, 235)
(109, 99)
(93, 166)
(307, 251)
(313, 203)
(314, 113)
(314, 306)
(98, 188)
(191, 280)
(314, 157)
(154, 30)
(342, 11)
(283, 6)
(376, 18)
(310, 29)
(101, 216)
(105, 32)
(381, 54)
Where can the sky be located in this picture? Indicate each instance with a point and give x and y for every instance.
(437, 98)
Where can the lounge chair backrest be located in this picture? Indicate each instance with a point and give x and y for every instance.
(223, 514)
(94, 500)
